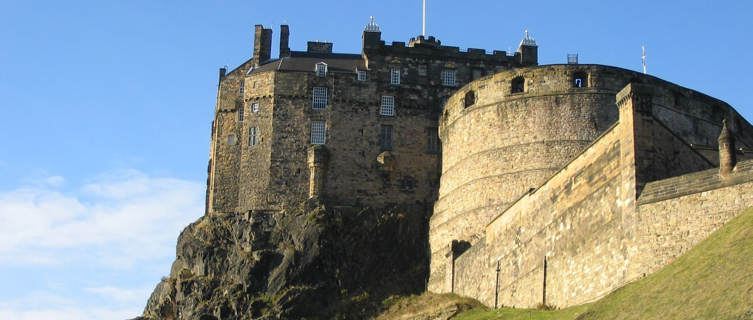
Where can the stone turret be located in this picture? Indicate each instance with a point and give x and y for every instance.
(727, 159)
(528, 51)
(284, 41)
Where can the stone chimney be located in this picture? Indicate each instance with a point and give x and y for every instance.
(262, 44)
(284, 41)
(727, 157)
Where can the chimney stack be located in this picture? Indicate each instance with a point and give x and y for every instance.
(262, 44)
(284, 41)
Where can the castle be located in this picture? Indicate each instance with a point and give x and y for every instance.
(554, 184)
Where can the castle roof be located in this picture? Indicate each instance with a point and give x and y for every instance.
(306, 61)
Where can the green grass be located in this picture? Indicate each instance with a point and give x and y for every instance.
(714, 280)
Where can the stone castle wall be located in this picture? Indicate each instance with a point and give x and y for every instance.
(506, 143)
(599, 222)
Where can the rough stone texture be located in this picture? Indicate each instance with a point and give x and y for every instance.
(311, 261)
(505, 144)
(606, 218)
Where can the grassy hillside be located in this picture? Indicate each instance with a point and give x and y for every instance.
(714, 280)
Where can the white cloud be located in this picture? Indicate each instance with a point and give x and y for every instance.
(71, 314)
(127, 216)
(123, 296)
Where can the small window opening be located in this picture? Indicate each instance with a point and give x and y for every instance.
(231, 140)
(255, 107)
(517, 85)
(448, 78)
(361, 75)
(432, 140)
(320, 98)
(388, 106)
(422, 70)
(321, 69)
(318, 132)
(253, 136)
(470, 98)
(242, 87)
(241, 111)
(580, 80)
(395, 76)
(385, 137)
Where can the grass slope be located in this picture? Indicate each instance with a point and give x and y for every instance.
(714, 280)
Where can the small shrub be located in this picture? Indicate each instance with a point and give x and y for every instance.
(546, 307)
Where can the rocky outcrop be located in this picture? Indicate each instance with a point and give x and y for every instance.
(313, 261)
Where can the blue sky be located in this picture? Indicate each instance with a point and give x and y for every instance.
(106, 109)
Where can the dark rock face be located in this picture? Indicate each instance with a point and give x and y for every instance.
(310, 262)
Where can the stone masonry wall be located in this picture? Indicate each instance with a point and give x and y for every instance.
(507, 143)
(566, 221)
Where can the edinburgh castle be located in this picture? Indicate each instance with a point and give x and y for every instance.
(536, 183)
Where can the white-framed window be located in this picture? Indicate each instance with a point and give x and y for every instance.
(361, 75)
(231, 140)
(385, 137)
(395, 76)
(255, 107)
(318, 132)
(253, 136)
(321, 69)
(448, 78)
(320, 97)
(388, 106)
(241, 111)
(242, 87)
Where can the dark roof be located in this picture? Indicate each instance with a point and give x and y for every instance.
(305, 61)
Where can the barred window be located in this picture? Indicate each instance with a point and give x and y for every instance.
(448, 78)
(320, 97)
(318, 132)
(388, 106)
(361, 75)
(385, 137)
(242, 87)
(395, 76)
(253, 136)
(254, 107)
(432, 140)
(241, 111)
(321, 69)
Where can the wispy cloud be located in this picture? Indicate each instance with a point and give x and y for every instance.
(90, 251)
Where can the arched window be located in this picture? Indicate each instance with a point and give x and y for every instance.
(580, 80)
(517, 85)
(470, 98)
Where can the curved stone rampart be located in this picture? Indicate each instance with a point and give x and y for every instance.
(497, 144)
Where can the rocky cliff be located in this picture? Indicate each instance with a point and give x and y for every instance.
(312, 262)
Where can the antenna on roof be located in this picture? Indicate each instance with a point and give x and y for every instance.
(643, 58)
(423, 31)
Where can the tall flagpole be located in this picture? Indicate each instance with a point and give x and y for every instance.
(424, 24)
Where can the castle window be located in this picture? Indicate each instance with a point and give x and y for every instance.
(241, 111)
(231, 140)
(321, 69)
(320, 97)
(318, 132)
(580, 80)
(448, 78)
(361, 75)
(385, 137)
(470, 98)
(432, 140)
(253, 136)
(395, 76)
(517, 85)
(477, 73)
(388, 106)
(422, 70)
(242, 87)
(254, 85)
(254, 107)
